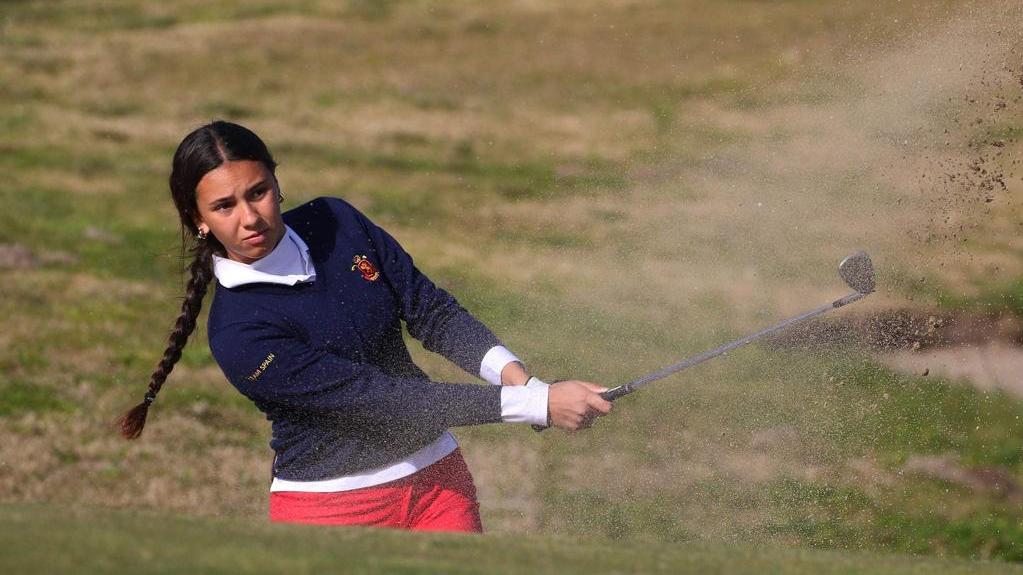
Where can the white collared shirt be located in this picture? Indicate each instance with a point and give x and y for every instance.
(289, 263)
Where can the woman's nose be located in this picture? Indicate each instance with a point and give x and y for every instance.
(249, 215)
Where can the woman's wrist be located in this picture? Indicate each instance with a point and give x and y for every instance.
(514, 373)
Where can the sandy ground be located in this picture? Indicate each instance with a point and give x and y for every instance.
(989, 366)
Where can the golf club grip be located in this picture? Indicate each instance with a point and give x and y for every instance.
(615, 393)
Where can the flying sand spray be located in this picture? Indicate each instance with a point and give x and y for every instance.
(858, 272)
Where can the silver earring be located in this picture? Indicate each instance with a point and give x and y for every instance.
(280, 197)
(201, 235)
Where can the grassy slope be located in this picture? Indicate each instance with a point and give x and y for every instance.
(580, 178)
(121, 541)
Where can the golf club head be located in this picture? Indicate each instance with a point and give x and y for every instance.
(858, 271)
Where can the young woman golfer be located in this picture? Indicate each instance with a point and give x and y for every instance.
(306, 322)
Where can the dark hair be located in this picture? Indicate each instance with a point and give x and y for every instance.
(200, 152)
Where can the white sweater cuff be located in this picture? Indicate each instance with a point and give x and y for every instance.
(525, 403)
(493, 363)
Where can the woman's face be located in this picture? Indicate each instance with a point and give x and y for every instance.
(238, 204)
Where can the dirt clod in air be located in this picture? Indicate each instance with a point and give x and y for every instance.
(961, 183)
(905, 329)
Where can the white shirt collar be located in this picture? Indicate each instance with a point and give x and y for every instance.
(288, 264)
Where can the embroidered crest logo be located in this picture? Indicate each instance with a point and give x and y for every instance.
(366, 268)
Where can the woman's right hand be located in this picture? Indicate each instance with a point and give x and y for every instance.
(573, 405)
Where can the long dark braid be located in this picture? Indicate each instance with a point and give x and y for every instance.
(202, 151)
(201, 270)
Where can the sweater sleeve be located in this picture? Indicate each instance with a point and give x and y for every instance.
(432, 315)
(272, 366)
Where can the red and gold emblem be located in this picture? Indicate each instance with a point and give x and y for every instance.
(366, 268)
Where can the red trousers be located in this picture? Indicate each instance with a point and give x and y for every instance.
(440, 497)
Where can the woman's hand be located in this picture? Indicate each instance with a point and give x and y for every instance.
(575, 404)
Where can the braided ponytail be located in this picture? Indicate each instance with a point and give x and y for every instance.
(200, 152)
(201, 270)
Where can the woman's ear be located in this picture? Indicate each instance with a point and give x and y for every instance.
(200, 224)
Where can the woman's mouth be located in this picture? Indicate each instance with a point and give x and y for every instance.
(255, 239)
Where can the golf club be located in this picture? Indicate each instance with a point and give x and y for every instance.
(856, 270)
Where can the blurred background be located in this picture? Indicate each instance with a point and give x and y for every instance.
(612, 186)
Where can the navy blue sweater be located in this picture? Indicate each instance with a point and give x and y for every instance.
(325, 361)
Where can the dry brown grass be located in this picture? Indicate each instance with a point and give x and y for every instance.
(754, 150)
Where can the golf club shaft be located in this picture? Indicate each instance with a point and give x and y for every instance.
(622, 390)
